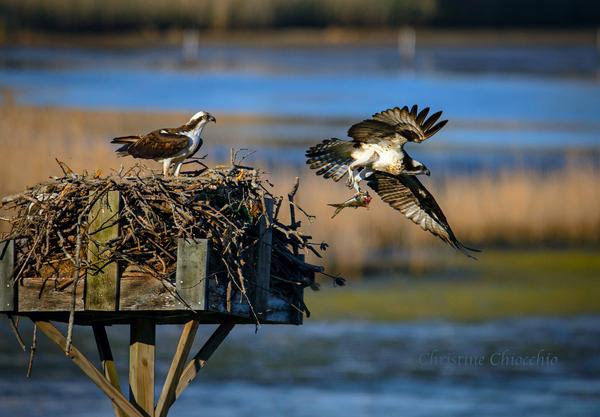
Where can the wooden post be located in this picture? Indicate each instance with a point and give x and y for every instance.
(192, 270)
(199, 360)
(263, 263)
(167, 396)
(141, 365)
(102, 283)
(108, 363)
(89, 369)
(7, 265)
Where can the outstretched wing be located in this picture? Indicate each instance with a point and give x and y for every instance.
(409, 196)
(155, 145)
(330, 158)
(399, 124)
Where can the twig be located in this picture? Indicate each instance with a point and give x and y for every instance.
(32, 350)
(14, 327)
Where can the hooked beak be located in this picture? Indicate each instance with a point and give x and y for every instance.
(211, 118)
(427, 172)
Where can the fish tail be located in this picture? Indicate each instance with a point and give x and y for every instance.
(339, 208)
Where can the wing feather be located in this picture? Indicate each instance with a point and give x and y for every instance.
(408, 195)
(330, 158)
(154, 145)
(371, 131)
(411, 124)
(158, 144)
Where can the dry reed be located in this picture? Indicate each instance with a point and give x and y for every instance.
(518, 207)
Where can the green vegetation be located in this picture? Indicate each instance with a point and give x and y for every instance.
(501, 284)
(132, 15)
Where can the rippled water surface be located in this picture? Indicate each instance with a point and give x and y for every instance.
(346, 369)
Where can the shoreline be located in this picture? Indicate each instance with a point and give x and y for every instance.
(306, 38)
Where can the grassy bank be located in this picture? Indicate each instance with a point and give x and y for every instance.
(112, 15)
(303, 37)
(501, 284)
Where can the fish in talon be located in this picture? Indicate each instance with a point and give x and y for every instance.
(360, 199)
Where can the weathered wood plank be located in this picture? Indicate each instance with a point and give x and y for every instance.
(102, 282)
(167, 396)
(263, 262)
(201, 358)
(89, 369)
(52, 294)
(192, 272)
(141, 365)
(108, 362)
(141, 292)
(7, 265)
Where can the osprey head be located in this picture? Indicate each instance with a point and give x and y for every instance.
(202, 117)
(418, 168)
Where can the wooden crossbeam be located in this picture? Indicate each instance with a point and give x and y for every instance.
(89, 369)
(199, 360)
(167, 396)
(108, 362)
(142, 347)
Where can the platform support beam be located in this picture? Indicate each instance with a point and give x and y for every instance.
(102, 282)
(108, 363)
(263, 263)
(192, 271)
(167, 396)
(7, 264)
(201, 358)
(141, 365)
(89, 369)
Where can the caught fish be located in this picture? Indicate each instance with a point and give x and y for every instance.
(361, 199)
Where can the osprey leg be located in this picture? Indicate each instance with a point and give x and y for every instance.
(178, 168)
(362, 175)
(166, 166)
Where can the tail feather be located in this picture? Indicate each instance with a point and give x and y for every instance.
(330, 158)
(126, 141)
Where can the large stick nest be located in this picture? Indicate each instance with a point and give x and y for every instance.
(49, 222)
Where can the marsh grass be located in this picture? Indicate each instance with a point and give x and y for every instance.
(503, 284)
(513, 208)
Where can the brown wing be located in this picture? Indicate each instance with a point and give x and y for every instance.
(158, 144)
(406, 194)
(372, 131)
(401, 124)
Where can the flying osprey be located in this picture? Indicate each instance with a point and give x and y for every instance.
(377, 153)
(171, 145)
(377, 145)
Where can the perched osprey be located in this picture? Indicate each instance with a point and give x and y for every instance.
(377, 153)
(171, 145)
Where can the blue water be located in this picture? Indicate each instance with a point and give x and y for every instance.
(351, 369)
(508, 106)
(508, 99)
(507, 96)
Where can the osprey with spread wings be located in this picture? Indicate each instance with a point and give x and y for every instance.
(376, 154)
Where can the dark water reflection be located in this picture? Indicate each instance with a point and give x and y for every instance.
(350, 369)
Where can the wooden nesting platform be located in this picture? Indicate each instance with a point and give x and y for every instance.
(121, 294)
(119, 297)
